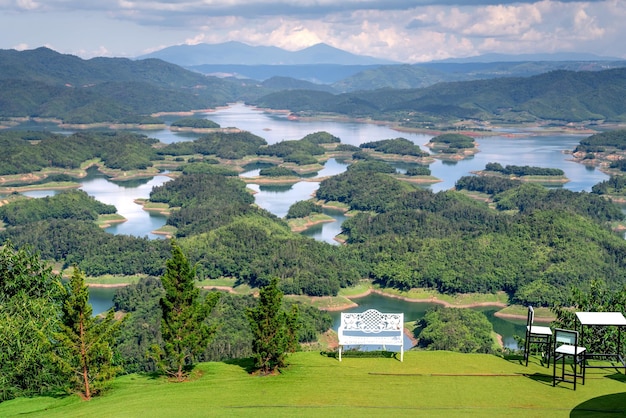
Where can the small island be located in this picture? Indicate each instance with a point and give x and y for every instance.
(453, 146)
(525, 173)
(194, 125)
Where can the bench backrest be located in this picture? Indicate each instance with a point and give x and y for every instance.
(372, 321)
(372, 328)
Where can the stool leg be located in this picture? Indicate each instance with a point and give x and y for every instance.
(554, 372)
(584, 366)
(575, 368)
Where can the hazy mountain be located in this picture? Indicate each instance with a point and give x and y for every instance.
(556, 56)
(320, 73)
(570, 96)
(426, 74)
(288, 83)
(242, 54)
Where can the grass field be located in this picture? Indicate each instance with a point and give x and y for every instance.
(432, 384)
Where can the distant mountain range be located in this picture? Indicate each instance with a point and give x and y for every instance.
(46, 84)
(558, 96)
(346, 72)
(556, 56)
(237, 53)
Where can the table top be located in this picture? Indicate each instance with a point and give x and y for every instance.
(601, 318)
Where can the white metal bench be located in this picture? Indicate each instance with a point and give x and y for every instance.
(372, 328)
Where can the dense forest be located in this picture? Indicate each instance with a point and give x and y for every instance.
(535, 243)
(28, 152)
(558, 95)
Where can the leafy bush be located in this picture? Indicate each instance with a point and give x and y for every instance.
(455, 329)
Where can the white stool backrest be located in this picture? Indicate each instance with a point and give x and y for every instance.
(530, 318)
(564, 336)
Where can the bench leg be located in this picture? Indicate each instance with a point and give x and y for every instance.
(401, 353)
(339, 353)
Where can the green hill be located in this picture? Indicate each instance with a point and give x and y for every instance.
(560, 96)
(46, 84)
(427, 383)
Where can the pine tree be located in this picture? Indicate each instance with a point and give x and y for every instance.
(184, 329)
(274, 330)
(85, 342)
(30, 308)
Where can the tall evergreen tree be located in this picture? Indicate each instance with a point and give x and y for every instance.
(85, 342)
(30, 306)
(184, 328)
(275, 332)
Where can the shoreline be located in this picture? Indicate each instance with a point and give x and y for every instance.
(531, 129)
(107, 285)
(432, 299)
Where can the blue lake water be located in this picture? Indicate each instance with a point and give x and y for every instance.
(532, 149)
(414, 311)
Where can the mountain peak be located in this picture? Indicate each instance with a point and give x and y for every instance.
(238, 53)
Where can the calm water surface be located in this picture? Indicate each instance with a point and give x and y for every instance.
(101, 301)
(536, 150)
(414, 311)
(532, 150)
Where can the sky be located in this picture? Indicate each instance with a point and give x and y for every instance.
(408, 31)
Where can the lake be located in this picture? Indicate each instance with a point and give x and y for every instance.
(414, 311)
(530, 149)
(509, 148)
(101, 300)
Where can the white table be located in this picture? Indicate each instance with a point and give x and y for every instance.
(603, 319)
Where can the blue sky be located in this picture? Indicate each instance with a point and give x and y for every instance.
(401, 30)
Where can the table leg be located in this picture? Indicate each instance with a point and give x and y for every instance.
(620, 353)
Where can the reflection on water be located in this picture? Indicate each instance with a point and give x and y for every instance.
(122, 195)
(414, 311)
(537, 150)
(278, 199)
(275, 188)
(332, 167)
(101, 300)
(40, 193)
(329, 230)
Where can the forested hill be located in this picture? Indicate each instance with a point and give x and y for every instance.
(563, 96)
(45, 83)
(51, 67)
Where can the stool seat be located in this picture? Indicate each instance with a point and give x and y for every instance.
(535, 329)
(537, 337)
(566, 346)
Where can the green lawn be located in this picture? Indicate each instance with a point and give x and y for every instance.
(433, 384)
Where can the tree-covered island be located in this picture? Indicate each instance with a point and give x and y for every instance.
(525, 173)
(398, 235)
(453, 146)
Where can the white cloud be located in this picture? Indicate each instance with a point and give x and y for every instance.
(403, 30)
(21, 47)
(27, 4)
